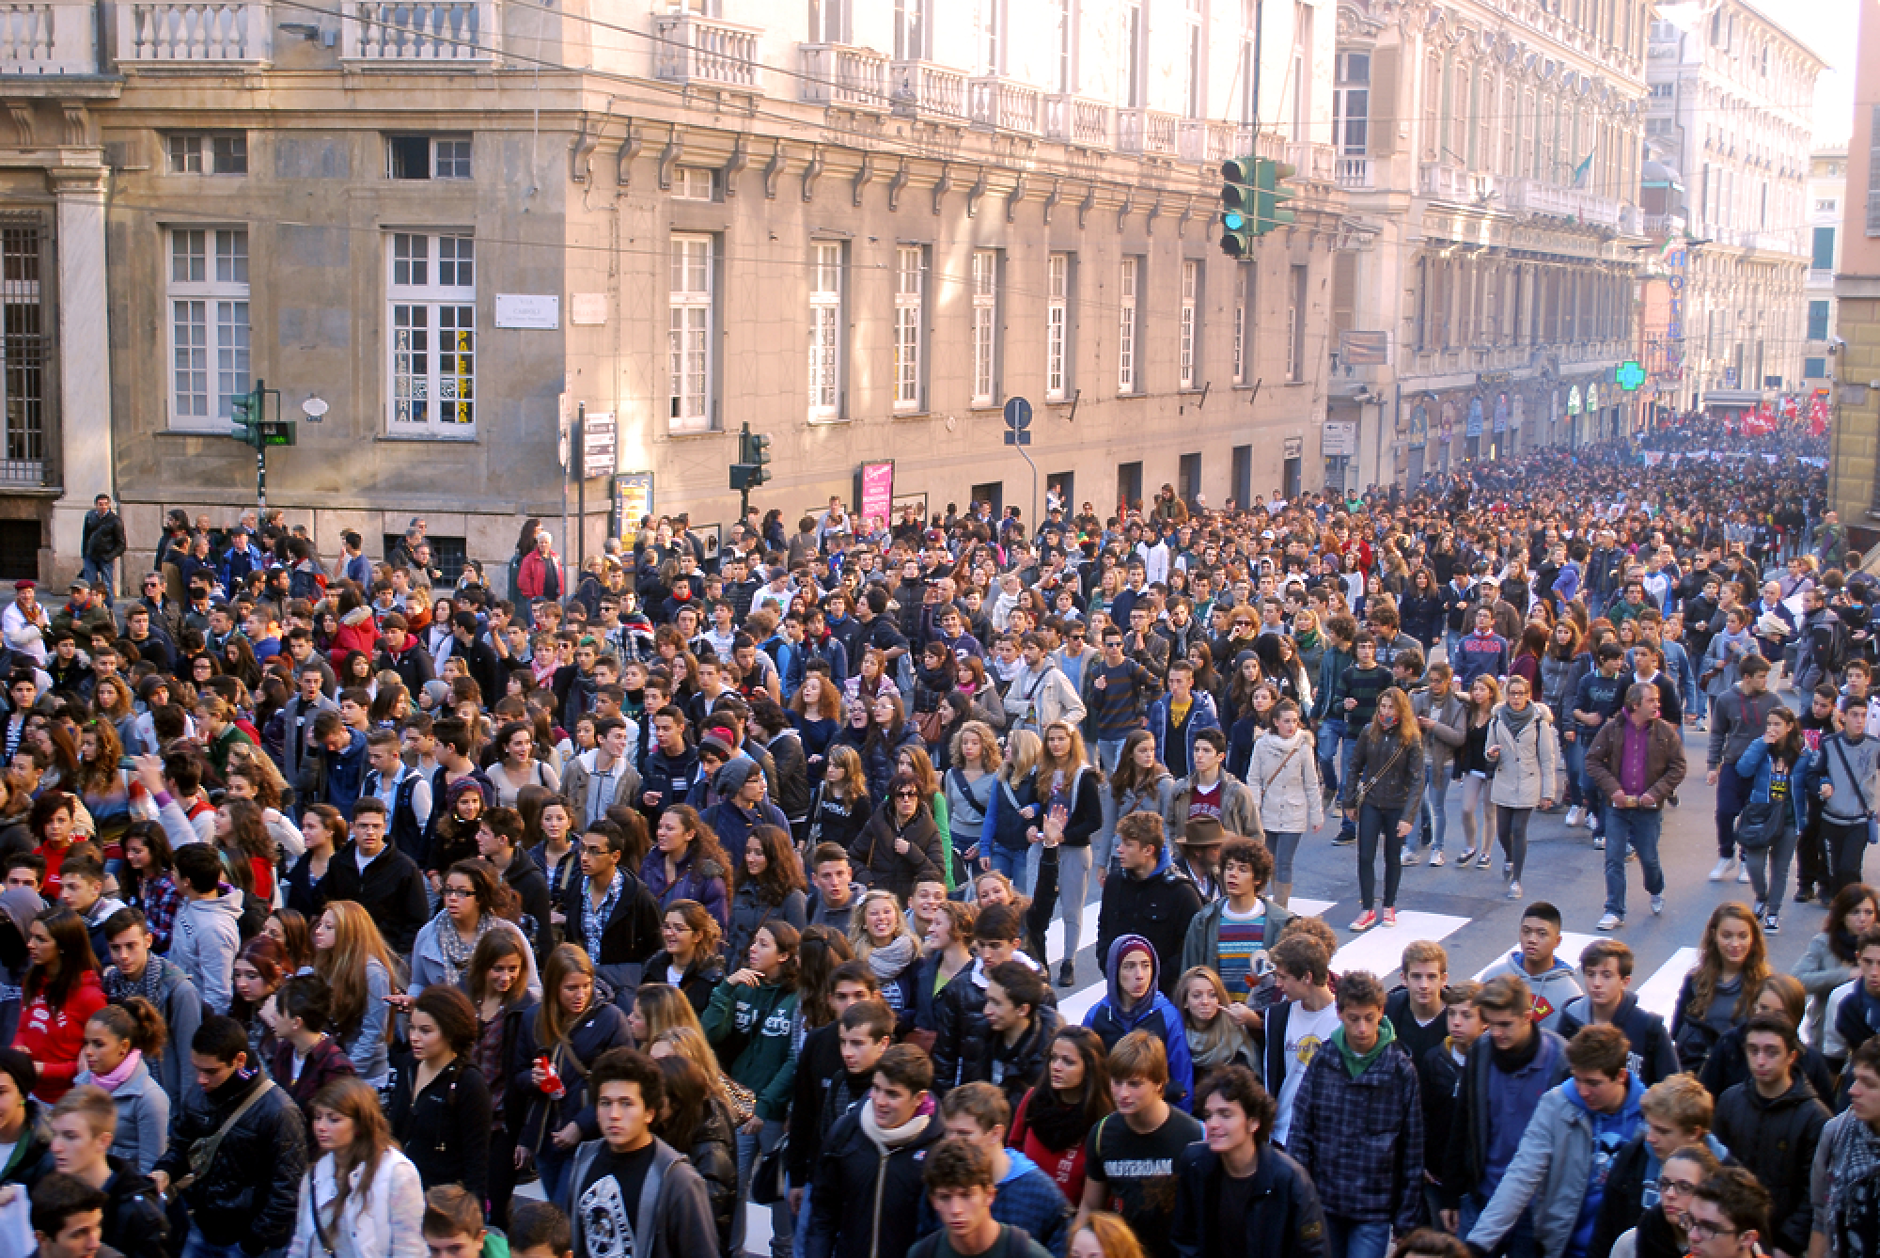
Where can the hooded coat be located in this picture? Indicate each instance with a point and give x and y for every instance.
(1112, 1018)
(1552, 989)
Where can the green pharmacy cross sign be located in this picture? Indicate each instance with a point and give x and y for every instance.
(1630, 376)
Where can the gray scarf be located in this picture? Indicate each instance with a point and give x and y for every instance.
(1517, 722)
(456, 951)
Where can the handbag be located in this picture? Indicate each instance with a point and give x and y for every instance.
(743, 1100)
(1758, 825)
(1365, 785)
(931, 726)
(769, 1179)
(202, 1152)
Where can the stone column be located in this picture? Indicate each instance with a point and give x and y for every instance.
(86, 463)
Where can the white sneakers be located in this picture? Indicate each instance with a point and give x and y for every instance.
(1723, 869)
(1611, 921)
(1576, 817)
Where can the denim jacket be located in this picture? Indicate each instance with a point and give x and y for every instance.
(1755, 762)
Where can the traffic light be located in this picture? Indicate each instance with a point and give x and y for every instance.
(753, 466)
(250, 424)
(1239, 197)
(1271, 195)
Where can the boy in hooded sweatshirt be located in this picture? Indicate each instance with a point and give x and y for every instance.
(1533, 961)
(206, 934)
(1559, 1170)
(1136, 1003)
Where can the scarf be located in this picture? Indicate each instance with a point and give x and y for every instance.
(456, 951)
(1517, 722)
(149, 984)
(1058, 1125)
(891, 960)
(1214, 1045)
(1854, 1190)
(887, 1140)
(125, 1069)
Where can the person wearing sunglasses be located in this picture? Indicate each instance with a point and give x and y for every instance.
(901, 845)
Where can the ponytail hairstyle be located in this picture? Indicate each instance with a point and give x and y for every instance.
(136, 1020)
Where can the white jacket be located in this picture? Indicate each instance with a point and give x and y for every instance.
(1286, 792)
(1524, 775)
(384, 1222)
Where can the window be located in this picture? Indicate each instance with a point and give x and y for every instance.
(910, 290)
(1823, 259)
(1126, 379)
(1827, 205)
(828, 21)
(1057, 321)
(988, 29)
(1664, 91)
(1351, 104)
(1190, 325)
(1197, 61)
(1815, 368)
(432, 295)
(427, 157)
(1135, 53)
(1065, 41)
(200, 154)
(1301, 70)
(825, 330)
(1295, 327)
(985, 327)
(208, 323)
(910, 30)
(1817, 320)
(23, 345)
(689, 335)
(694, 183)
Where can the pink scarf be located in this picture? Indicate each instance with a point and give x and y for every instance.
(125, 1069)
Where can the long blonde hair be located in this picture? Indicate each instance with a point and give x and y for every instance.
(1023, 751)
(858, 923)
(989, 755)
(356, 943)
(552, 1022)
(690, 1043)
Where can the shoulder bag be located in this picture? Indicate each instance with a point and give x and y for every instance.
(202, 1152)
(1365, 785)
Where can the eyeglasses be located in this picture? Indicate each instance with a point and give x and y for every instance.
(1699, 1230)
(453, 893)
(1682, 1187)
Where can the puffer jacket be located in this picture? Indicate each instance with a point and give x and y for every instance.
(1775, 1139)
(1525, 774)
(960, 1030)
(250, 1192)
(1393, 777)
(1283, 780)
(881, 867)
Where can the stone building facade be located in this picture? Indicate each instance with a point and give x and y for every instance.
(857, 227)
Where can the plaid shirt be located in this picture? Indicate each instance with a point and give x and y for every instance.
(1361, 1139)
(159, 901)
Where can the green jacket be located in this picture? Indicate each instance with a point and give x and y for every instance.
(756, 1022)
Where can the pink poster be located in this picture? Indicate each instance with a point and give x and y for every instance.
(877, 491)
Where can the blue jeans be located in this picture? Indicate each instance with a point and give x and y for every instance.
(551, 1164)
(1436, 804)
(799, 1242)
(1331, 739)
(1010, 863)
(1575, 753)
(1451, 640)
(1640, 828)
(1109, 750)
(100, 578)
(1347, 1238)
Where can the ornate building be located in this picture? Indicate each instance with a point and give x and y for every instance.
(1491, 155)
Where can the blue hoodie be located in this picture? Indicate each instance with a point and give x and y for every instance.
(1111, 1018)
(1611, 1133)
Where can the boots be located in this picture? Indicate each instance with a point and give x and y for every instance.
(1280, 893)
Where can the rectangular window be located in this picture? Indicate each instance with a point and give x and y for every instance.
(988, 27)
(199, 153)
(1817, 320)
(910, 30)
(1057, 323)
(1351, 104)
(825, 331)
(1065, 41)
(985, 327)
(1191, 323)
(209, 334)
(1126, 378)
(23, 345)
(432, 298)
(694, 183)
(1824, 249)
(1295, 327)
(427, 156)
(1135, 41)
(910, 291)
(1814, 368)
(689, 335)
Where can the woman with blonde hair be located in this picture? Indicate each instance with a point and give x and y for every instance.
(1005, 841)
(363, 1198)
(1214, 1039)
(880, 935)
(350, 954)
(657, 1008)
(1069, 788)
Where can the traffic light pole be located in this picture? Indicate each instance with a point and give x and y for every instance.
(744, 491)
(261, 457)
(578, 456)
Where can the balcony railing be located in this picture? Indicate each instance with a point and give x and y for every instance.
(1149, 132)
(1444, 181)
(186, 31)
(836, 74)
(1315, 162)
(694, 49)
(921, 89)
(1003, 105)
(447, 30)
(1354, 172)
(47, 39)
(1073, 120)
(22, 473)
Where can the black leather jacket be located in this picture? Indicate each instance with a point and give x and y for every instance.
(250, 1193)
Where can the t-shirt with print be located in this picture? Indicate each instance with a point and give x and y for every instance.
(1137, 1172)
(608, 1201)
(1305, 1033)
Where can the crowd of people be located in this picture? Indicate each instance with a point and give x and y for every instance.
(353, 913)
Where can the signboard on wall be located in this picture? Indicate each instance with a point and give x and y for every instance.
(1340, 437)
(874, 496)
(633, 501)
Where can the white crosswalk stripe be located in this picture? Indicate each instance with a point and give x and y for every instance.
(1659, 993)
(1380, 949)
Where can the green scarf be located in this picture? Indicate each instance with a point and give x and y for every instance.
(1358, 1064)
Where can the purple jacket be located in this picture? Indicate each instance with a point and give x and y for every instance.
(704, 883)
